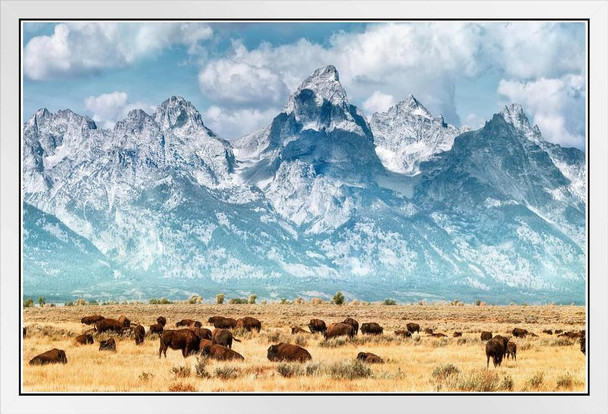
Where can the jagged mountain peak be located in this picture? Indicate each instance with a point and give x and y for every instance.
(514, 114)
(176, 113)
(321, 85)
(411, 105)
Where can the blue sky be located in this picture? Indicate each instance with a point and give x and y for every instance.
(239, 75)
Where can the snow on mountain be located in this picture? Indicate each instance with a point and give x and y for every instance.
(408, 134)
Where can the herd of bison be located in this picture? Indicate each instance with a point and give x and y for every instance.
(193, 339)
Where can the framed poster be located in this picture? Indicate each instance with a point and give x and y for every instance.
(253, 203)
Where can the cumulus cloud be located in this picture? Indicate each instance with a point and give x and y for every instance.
(556, 105)
(77, 48)
(378, 102)
(109, 108)
(231, 123)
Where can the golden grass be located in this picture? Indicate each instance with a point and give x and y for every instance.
(543, 365)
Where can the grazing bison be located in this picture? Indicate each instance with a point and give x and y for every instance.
(221, 353)
(249, 324)
(189, 322)
(90, 320)
(558, 331)
(107, 324)
(428, 331)
(496, 349)
(84, 339)
(288, 352)
(457, 334)
(183, 339)
(519, 332)
(583, 341)
(571, 334)
(139, 334)
(109, 345)
(221, 322)
(371, 328)
(317, 325)
(298, 330)
(413, 327)
(353, 323)
(24, 331)
(157, 328)
(161, 320)
(403, 333)
(202, 333)
(54, 356)
(223, 337)
(438, 335)
(339, 329)
(548, 331)
(369, 358)
(511, 350)
(486, 336)
(124, 321)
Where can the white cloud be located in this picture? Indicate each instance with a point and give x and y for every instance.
(234, 123)
(557, 106)
(78, 48)
(109, 108)
(378, 102)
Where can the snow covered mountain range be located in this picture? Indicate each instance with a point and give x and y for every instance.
(405, 206)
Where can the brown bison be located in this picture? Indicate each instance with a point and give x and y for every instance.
(249, 324)
(107, 324)
(90, 320)
(221, 353)
(54, 356)
(339, 329)
(511, 350)
(221, 322)
(288, 352)
(403, 333)
(486, 336)
(202, 333)
(317, 325)
(157, 328)
(24, 331)
(519, 332)
(353, 323)
(413, 327)
(496, 349)
(205, 343)
(109, 345)
(84, 339)
(438, 335)
(369, 358)
(298, 330)
(371, 328)
(189, 322)
(183, 339)
(571, 334)
(558, 331)
(583, 341)
(428, 331)
(125, 322)
(161, 320)
(223, 337)
(548, 331)
(457, 334)
(139, 332)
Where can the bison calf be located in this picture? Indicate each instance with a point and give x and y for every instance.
(511, 350)
(221, 353)
(403, 333)
(109, 345)
(139, 334)
(369, 358)
(84, 339)
(288, 352)
(54, 356)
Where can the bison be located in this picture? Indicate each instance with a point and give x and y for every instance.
(317, 325)
(139, 334)
(84, 339)
(223, 337)
(371, 328)
(24, 332)
(125, 322)
(221, 353)
(288, 352)
(519, 332)
(457, 334)
(183, 339)
(438, 335)
(558, 331)
(583, 341)
(249, 324)
(428, 331)
(109, 345)
(205, 343)
(161, 320)
(339, 329)
(107, 324)
(496, 349)
(202, 333)
(54, 356)
(571, 334)
(221, 322)
(403, 333)
(353, 323)
(157, 328)
(511, 350)
(486, 336)
(548, 331)
(298, 330)
(90, 320)
(369, 358)
(413, 327)
(189, 322)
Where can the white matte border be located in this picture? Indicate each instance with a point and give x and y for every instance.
(10, 402)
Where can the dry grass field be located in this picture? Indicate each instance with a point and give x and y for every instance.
(418, 364)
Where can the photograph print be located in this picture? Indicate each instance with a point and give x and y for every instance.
(304, 206)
